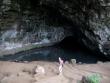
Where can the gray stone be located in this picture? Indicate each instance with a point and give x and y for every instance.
(73, 61)
(40, 70)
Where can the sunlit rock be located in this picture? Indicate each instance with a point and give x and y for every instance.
(40, 70)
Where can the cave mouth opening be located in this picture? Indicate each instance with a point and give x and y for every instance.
(71, 44)
(67, 49)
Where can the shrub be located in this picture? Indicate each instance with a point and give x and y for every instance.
(94, 78)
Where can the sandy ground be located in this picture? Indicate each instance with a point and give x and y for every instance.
(13, 72)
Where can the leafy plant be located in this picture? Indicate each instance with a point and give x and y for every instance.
(94, 78)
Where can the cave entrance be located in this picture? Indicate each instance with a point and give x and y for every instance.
(68, 49)
(70, 42)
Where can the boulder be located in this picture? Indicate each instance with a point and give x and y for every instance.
(40, 70)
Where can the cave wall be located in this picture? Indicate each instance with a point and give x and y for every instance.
(28, 22)
(90, 20)
(86, 19)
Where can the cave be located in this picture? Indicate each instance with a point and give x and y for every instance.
(54, 41)
(67, 49)
(60, 24)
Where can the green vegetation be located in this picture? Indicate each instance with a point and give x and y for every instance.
(94, 78)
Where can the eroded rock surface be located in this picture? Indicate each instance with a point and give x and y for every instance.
(89, 21)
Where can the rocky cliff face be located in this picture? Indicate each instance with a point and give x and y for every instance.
(89, 20)
(21, 25)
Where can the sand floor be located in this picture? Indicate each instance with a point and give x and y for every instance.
(13, 72)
